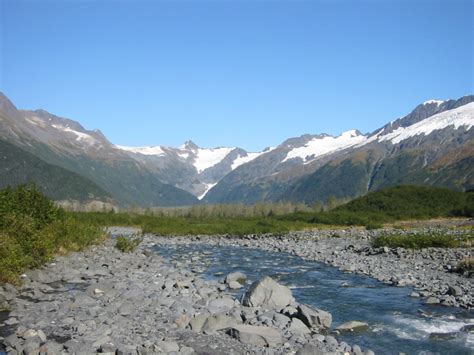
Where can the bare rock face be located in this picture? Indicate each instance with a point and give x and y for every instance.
(268, 293)
(256, 335)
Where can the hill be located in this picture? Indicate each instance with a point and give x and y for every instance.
(19, 167)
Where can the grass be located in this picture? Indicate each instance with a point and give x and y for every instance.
(425, 240)
(33, 230)
(372, 211)
(127, 245)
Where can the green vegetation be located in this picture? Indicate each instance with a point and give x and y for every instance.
(385, 206)
(425, 240)
(127, 245)
(165, 225)
(394, 204)
(33, 229)
(21, 167)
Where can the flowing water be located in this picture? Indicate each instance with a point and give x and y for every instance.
(398, 323)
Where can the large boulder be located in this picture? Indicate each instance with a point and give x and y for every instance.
(314, 318)
(256, 335)
(267, 293)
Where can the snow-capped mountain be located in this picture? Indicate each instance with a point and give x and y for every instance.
(201, 168)
(431, 145)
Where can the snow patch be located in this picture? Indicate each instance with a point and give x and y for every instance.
(184, 155)
(437, 102)
(208, 187)
(152, 150)
(80, 136)
(459, 117)
(321, 146)
(240, 160)
(206, 158)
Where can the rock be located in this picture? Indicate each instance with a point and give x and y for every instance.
(221, 305)
(182, 321)
(455, 291)
(167, 346)
(4, 305)
(31, 347)
(280, 320)
(234, 285)
(11, 321)
(469, 328)
(432, 300)
(266, 292)
(415, 295)
(51, 348)
(218, 322)
(108, 348)
(297, 326)
(41, 335)
(235, 277)
(353, 326)
(310, 349)
(256, 335)
(444, 336)
(314, 318)
(197, 322)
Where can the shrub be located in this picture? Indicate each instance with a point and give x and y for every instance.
(127, 245)
(33, 230)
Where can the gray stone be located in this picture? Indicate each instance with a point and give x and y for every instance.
(221, 305)
(455, 291)
(310, 349)
(234, 285)
(236, 277)
(280, 320)
(297, 326)
(218, 322)
(198, 321)
(266, 292)
(314, 318)
(432, 300)
(255, 335)
(167, 346)
(353, 326)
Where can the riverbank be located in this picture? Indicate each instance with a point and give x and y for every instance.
(429, 271)
(103, 300)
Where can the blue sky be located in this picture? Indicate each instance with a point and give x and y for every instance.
(236, 73)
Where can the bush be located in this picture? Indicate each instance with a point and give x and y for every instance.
(33, 230)
(127, 245)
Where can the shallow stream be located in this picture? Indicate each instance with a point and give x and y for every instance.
(397, 322)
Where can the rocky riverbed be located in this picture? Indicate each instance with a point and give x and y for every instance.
(106, 301)
(431, 272)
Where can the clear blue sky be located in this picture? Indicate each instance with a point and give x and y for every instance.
(237, 73)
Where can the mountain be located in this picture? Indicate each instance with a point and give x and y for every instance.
(190, 167)
(65, 143)
(20, 167)
(432, 145)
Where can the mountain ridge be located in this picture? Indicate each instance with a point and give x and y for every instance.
(308, 168)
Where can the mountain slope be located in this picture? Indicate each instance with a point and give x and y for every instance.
(430, 146)
(20, 167)
(65, 143)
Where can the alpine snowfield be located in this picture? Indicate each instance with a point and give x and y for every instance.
(459, 117)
